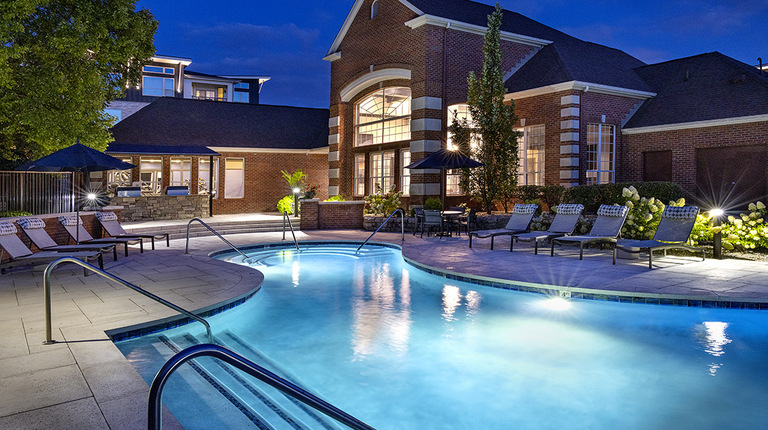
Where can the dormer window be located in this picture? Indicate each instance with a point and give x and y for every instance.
(374, 9)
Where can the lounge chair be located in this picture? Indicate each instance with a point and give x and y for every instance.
(673, 232)
(20, 255)
(74, 224)
(34, 228)
(518, 223)
(432, 218)
(563, 225)
(606, 229)
(108, 221)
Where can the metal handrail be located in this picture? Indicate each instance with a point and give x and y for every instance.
(286, 217)
(155, 410)
(402, 227)
(186, 249)
(47, 292)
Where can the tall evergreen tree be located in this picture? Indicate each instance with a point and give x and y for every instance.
(492, 123)
(61, 62)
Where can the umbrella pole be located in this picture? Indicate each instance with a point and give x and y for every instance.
(444, 180)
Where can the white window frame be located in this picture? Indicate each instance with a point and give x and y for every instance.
(120, 178)
(202, 179)
(384, 125)
(167, 89)
(381, 174)
(359, 181)
(229, 191)
(153, 186)
(601, 156)
(178, 169)
(405, 174)
(533, 136)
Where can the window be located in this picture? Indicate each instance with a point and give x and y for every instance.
(359, 174)
(157, 87)
(600, 153)
(374, 9)
(405, 174)
(119, 178)
(384, 116)
(203, 171)
(530, 155)
(155, 69)
(382, 170)
(452, 181)
(240, 97)
(151, 175)
(216, 94)
(181, 171)
(461, 112)
(234, 178)
(242, 85)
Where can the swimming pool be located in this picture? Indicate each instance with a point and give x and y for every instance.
(403, 349)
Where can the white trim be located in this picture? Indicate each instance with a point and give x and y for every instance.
(233, 149)
(425, 171)
(428, 124)
(696, 124)
(333, 139)
(425, 189)
(426, 103)
(413, 8)
(572, 99)
(569, 111)
(333, 173)
(333, 190)
(332, 57)
(369, 79)
(569, 137)
(580, 86)
(569, 149)
(333, 156)
(333, 121)
(425, 146)
(569, 124)
(569, 174)
(569, 162)
(474, 29)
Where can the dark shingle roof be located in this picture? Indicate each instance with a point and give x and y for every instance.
(187, 122)
(700, 88)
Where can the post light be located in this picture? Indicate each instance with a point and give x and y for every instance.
(717, 239)
(296, 191)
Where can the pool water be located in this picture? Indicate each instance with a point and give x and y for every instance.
(403, 349)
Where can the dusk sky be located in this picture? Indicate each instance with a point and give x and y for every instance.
(288, 39)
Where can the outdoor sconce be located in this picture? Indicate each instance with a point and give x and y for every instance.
(717, 239)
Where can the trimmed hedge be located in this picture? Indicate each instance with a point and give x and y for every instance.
(592, 196)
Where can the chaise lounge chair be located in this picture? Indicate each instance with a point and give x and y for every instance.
(108, 221)
(673, 232)
(563, 225)
(20, 255)
(606, 229)
(518, 223)
(74, 224)
(34, 228)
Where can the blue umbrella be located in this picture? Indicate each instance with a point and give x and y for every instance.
(444, 159)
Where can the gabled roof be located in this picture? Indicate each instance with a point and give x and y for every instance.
(172, 121)
(701, 88)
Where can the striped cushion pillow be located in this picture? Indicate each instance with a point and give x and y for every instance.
(676, 212)
(31, 223)
(70, 221)
(570, 209)
(524, 209)
(7, 228)
(106, 216)
(612, 211)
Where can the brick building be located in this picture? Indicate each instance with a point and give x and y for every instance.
(239, 148)
(588, 113)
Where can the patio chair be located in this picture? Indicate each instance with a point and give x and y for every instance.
(108, 221)
(73, 225)
(606, 229)
(34, 228)
(673, 232)
(563, 225)
(518, 223)
(432, 218)
(468, 221)
(419, 213)
(20, 255)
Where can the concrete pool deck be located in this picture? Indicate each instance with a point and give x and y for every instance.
(84, 382)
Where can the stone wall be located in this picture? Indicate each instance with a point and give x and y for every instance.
(152, 208)
(317, 215)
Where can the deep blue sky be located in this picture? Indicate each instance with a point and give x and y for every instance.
(287, 39)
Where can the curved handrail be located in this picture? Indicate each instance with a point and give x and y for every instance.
(286, 217)
(186, 249)
(155, 410)
(47, 292)
(402, 227)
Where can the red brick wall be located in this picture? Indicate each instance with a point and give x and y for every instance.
(331, 215)
(683, 144)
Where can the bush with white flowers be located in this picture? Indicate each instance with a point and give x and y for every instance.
(644, 215)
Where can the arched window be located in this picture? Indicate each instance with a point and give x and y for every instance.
(384, 116)
(374, 9)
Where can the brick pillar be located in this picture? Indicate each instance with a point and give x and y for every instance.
(570, 107)
(310, 214)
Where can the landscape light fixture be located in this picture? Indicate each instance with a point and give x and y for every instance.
(717, 238)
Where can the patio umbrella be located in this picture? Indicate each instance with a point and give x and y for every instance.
(444, 159)
(76, 158)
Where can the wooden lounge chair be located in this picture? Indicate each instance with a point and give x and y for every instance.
(606, 229)
(73, 225)
(20, 255)
(563, 225)
(673, 232)
(109, 222)
(34, 228)
(518, 223)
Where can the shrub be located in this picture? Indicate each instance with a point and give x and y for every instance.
(383, 204)
(643, 217)
(552, 195)
(747, 231)
(592, 196)
(338, 198)
(13, 214)
(285, 205)
(433, 203)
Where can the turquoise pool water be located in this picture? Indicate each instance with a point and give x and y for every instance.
(403, 349)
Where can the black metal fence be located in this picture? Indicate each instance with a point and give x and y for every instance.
(36, 192)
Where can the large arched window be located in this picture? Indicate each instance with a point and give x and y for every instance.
(384, 116)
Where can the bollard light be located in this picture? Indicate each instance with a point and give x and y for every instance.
(717, 238)
(296, 192)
